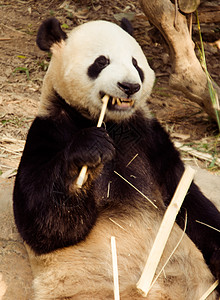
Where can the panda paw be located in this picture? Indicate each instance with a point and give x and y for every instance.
(92, 147)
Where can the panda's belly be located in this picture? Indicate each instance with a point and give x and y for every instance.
(84, 271)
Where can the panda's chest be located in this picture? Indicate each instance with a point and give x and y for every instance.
(127, 179)
(127, 138)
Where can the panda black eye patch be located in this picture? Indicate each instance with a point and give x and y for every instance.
(140, 71)
(99, 64)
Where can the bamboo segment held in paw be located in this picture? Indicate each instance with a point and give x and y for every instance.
(82, 174)
(144, 283)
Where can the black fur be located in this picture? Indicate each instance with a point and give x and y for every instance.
(140, 71)
(51, 214)
(126, 25)
(50, 32)
(102, 62)
(98, 65)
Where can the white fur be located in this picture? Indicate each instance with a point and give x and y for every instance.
(84, 271)
(71, 59)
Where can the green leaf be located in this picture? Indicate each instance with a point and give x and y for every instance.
(21, 56)
(64, 26)
(23, 69)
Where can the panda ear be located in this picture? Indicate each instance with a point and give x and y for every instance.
(49, 33)
(126, 25)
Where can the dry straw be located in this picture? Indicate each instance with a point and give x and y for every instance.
(135, 189)
(171, 254)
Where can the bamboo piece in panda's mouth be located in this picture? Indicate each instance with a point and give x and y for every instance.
(82, 174)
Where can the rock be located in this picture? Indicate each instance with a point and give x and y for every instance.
(209, 184)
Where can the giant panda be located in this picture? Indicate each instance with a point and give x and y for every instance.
(67, 229)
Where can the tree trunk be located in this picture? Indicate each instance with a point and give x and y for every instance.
(187, 73)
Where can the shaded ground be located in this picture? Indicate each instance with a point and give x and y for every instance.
(22, 67)
(15, 271)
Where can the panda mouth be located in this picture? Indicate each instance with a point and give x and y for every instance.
(115, 103)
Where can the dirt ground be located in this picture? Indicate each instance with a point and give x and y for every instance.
(23, 66)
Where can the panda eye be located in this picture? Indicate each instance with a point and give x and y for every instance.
(99, 64)
(140, 71)
(102, 61)
(134, 62)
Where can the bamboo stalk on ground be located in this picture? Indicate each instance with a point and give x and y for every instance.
(115, 268)
(146, 278)
(210, 290)
(212, 91)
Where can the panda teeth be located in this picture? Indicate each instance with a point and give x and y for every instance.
(131, 102)
(118, 101)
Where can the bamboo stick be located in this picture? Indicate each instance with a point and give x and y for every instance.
(144, 283)
(171, 254)
(82, 174)
(115, 268)
(210, 290)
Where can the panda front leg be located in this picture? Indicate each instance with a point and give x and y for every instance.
(49, 212)
(168, 169)
(92, 148)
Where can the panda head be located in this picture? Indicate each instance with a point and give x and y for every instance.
(95, 59)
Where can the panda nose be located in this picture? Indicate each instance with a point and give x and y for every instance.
(129, 88)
